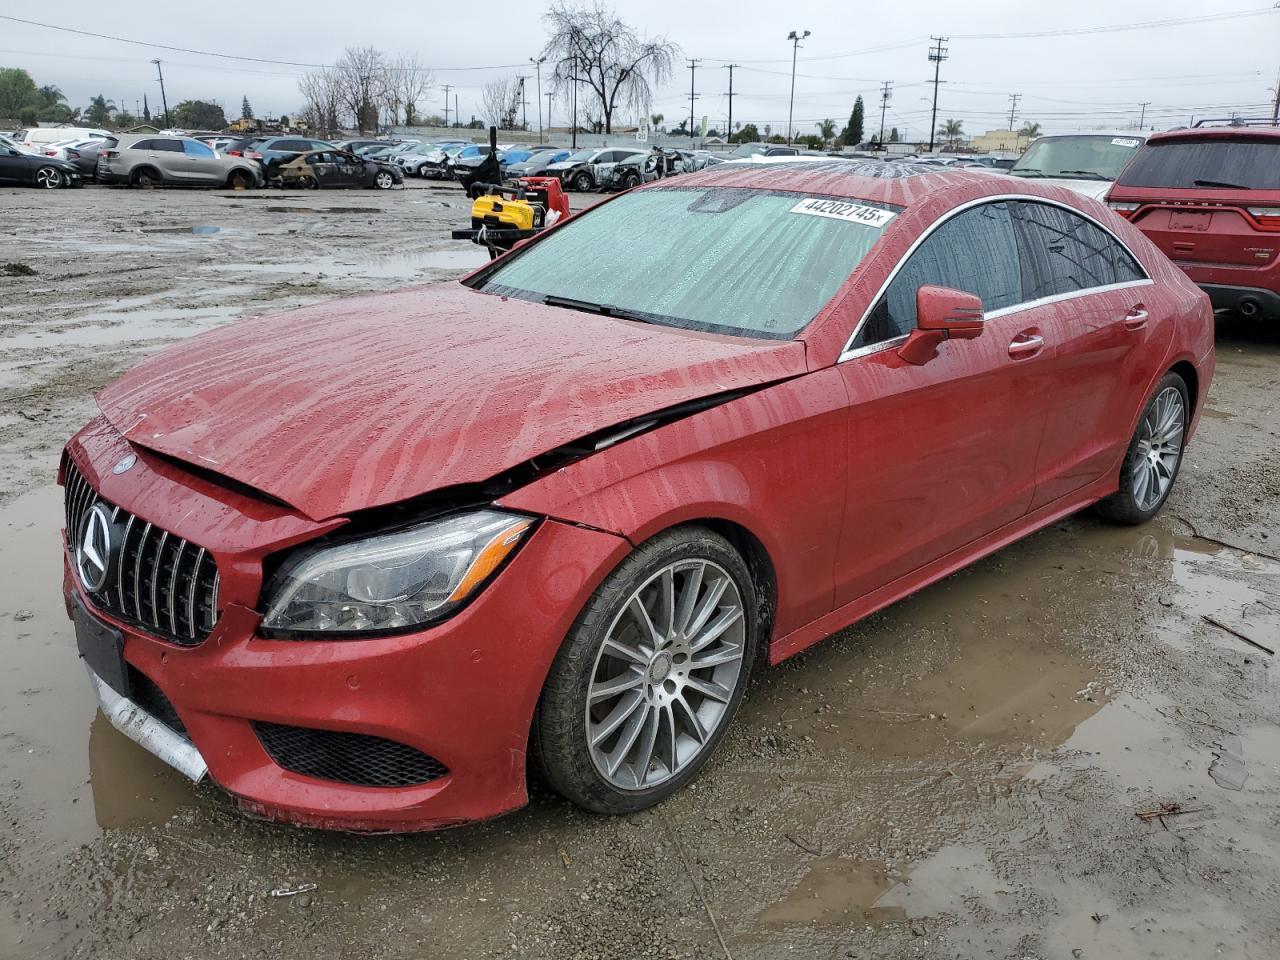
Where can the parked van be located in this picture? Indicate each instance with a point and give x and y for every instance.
(38, 137)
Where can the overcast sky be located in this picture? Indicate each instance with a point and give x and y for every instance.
(1067, 80)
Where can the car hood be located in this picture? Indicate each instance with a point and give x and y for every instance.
(1097, 189)
(372, 400)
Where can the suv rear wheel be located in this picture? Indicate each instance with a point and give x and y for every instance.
(583, 182)
(147, 178)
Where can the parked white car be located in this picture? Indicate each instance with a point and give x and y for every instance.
(37, 138)
(1087, 163)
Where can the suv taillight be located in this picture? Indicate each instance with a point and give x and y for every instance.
(252, 155)
(1124, 209)
(109, 154)
(1268, 218)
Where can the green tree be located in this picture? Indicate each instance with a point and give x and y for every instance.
(656, 119)
(199, 115)
(827, 128)
(952, 131)
(146, 109)
(1029, 130)
(99, 112)
(747, 133)
(17, 91)
(768, 128)
(893, 135)
(852, 134)
(284, 121)
(246, 111)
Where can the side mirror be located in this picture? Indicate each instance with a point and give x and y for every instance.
(941, 314)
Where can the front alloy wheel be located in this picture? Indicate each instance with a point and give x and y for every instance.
(647, 682)
(49, 177)
(384, 180)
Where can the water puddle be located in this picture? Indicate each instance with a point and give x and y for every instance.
(402, 266)
(113, 327)
(837, 891)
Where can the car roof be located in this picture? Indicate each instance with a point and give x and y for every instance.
(1131, 134)
(879, 181)
(1265, 134)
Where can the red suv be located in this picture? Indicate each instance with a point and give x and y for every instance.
(1210, 199)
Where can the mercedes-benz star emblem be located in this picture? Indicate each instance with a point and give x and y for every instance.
(125, 465)
(93, 548)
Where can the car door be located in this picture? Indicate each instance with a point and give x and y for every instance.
(15, 166)
(941, 453)
(203, 165)
(1107, 341)
(168, 157)
(351, 169)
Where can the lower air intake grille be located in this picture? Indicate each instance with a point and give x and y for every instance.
(354, 758)
(152, 699)
(157, 581)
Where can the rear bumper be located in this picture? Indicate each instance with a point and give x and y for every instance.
(1226, 297)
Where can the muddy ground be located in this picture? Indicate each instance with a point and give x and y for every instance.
(960, 776)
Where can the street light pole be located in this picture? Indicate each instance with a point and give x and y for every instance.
(795, 39)
(537, 66)
(164, 101)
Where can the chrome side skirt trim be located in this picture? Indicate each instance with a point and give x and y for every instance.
(148, 732)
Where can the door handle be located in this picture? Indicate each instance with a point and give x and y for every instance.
(1136, 318)
(1026, 345)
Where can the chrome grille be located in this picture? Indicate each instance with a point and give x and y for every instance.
(160, 582)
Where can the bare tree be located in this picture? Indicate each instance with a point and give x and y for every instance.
(408, 80)
(500, 102)
(593, 44)
(362, 76)
(323, 102)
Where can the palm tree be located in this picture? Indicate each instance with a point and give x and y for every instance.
(100, 111)
(952, 132)
(50, 96)
(827, 128)
(1029, 130)
(656, 119)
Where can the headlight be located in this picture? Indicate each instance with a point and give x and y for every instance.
(393, 581)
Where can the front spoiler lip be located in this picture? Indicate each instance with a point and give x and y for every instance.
(148, 732)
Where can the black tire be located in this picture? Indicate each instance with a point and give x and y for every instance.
(147, 178)
(1123, 506)
(239, 180)
(583, 181)
(308, 182)
(49, 178)
(559, 740)
(384, 180)
(633, 180)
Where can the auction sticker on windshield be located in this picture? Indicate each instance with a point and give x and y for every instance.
(843, 210)
(1125, 142)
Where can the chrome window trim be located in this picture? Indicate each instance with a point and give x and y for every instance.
(848, 353)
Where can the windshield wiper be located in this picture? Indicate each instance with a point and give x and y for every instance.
(1219, 183)
(1027, 172)
(1088, 174)
(588, 306)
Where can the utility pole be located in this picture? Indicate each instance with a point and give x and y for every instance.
(548, 95)
(537, 66)
(447, 88)
(1142, 118)
(574, 142)
(524, 106)
(728, 134)
(457, 116)
(164, 101)
(886, 91)
(693, 69)
(937, 53)
(795, 39)
(1013, 107)
(1275, 104)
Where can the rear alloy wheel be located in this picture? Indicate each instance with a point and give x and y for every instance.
(308, 182)
(147, 179)
(583, 182)
(239, 180)
(647, 682)
(1154, 456)
(384, 180)
(49, 177)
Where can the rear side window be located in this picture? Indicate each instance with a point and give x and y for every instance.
(1190, 165)
(975, 251)
(143, 145)
(168, 146)
(1064, 253)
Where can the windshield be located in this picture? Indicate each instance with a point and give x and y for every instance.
(1224, 164)
(747, 262)
(582, 156)
(748, 149)
(1091, 157)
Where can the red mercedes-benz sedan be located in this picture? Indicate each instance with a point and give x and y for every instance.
(361, 563)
